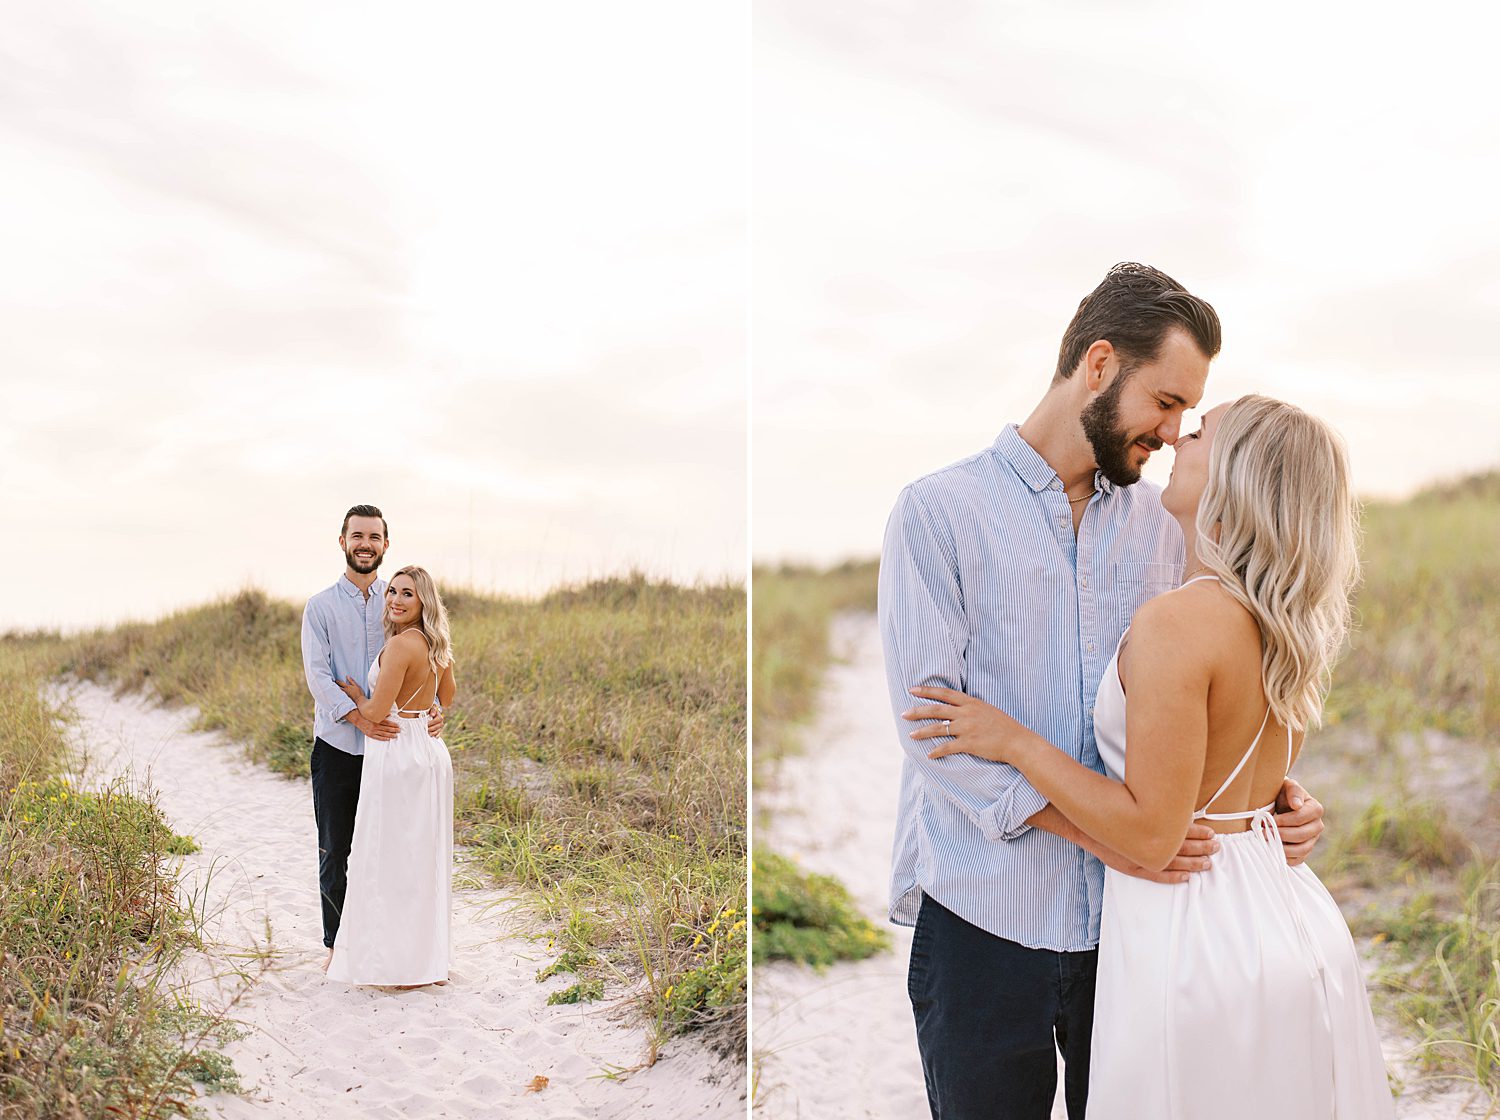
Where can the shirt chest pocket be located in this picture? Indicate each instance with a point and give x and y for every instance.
(1137, 581)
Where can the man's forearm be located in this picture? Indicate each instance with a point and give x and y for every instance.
(1051, 819)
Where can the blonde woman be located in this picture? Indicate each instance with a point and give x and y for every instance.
(1237, 993)
(395, 925)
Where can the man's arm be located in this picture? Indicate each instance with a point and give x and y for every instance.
(924, 631)
(317, 665)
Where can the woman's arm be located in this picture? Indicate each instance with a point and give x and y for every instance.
(1146, 818)
(1196, 853)
(446, 688)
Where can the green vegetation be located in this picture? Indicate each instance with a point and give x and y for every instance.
(598, 741)
(90, 928)
(1409, 765)
(808, 917)
(585, 991)
(793, 610)
(801, 917)
(1426, 650)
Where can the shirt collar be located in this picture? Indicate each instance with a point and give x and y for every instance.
(1024, 459)
(350, 588)
(1035, 471)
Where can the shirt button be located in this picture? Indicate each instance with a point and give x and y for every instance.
(1085, 581)
(1091, 647)
(1091, 711)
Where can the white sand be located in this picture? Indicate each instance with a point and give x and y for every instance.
(842, 1044)
(318, 1048)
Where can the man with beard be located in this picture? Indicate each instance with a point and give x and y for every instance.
(342, 632)
(1011, 576)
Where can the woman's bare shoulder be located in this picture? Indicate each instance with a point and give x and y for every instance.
(1197, 617)
(409, 645)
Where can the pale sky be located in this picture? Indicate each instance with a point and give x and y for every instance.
(485, 266)
(937, 185)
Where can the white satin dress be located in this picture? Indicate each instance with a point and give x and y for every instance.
(1237, 995)
(396, 924)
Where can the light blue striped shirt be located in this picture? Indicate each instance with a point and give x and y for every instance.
(342, 631)
(984, 588)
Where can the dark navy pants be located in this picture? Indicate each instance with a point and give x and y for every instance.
(991, 1017)
(335, 786)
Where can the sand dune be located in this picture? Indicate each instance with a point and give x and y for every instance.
(842, 1043)
(314, 1047)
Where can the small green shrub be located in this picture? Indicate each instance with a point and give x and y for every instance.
(585, 991)
(808, 917)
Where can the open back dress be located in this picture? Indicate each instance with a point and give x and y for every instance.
(1236, 995)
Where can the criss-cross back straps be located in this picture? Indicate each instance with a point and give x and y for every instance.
(419, 688)
(413, 696)
(1203, 813)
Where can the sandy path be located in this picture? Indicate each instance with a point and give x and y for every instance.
(318, 1048)
(842, 1044)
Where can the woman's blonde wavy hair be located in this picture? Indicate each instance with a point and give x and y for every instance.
(1279, 525)
(434, 618)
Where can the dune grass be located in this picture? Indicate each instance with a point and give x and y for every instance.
(91, 926)
(793, 609)
(1425, 653)
(1414, 808)
(598, 740)
(800, 916)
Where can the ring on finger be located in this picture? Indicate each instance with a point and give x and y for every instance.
(947, 727)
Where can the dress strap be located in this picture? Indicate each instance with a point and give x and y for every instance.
(1203, 813)
(1197, 579)
(420, 687)
(413, 696)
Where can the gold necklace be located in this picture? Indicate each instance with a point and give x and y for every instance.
(1082, 497)
(1195, 571)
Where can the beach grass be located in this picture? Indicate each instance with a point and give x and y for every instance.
(91, 926)
(598, 740)
(1409, 765)
(794, 607)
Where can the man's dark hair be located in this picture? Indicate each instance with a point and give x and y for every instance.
(1132, 309)
(365, 511)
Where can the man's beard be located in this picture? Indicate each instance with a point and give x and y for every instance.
(364, 567)
(1111, 443)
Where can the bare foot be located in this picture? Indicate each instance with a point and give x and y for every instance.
(328, 961)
